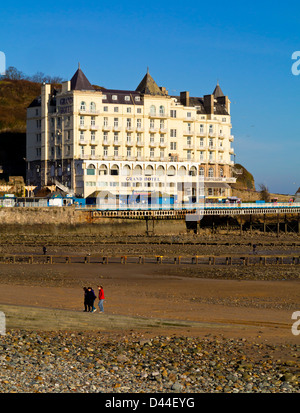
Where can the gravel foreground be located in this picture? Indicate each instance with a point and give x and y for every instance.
(87, 362)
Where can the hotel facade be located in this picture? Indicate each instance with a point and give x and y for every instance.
(87, 140)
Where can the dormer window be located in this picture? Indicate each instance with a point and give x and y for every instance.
(114, 97)
(137, 98)
(127, 98)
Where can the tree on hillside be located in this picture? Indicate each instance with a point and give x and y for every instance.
(14, 74)
(264, 193)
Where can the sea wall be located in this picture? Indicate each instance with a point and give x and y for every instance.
(57, 219)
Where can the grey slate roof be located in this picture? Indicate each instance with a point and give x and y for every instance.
(149, 87)
(218, 91)
(80, 82)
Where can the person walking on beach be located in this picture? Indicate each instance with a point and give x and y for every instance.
(101, 298)
(94, 298)
(90, 300)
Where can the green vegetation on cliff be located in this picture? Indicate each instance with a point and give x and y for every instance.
(15, 97)
(245, 179)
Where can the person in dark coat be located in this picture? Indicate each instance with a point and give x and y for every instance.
(90, 299)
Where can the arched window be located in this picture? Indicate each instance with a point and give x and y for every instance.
(161, 110)
(149, 170)
(211, 172)
(160, 171)
(82, 106)
(152, 110)
(182, 171)
(90, 170)
(93, 107)
(193, 171)
(114, 170)
(126, 171)
(171, 171)
(137, 170)
(103, 170)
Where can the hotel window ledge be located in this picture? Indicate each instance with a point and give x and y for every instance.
(83, 142)
(157, 115)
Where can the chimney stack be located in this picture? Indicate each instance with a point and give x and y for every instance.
(209, 104)
(185, 98)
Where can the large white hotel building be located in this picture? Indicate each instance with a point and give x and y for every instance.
(86, 139)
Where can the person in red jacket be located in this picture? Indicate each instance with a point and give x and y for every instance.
(101, 298)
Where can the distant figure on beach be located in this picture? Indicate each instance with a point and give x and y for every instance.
(90, 299)
(85, 301)
(254, 248)
(44, 249)
(101, 298)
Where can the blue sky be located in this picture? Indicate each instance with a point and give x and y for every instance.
(247, 46)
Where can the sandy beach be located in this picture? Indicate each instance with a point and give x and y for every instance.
(245, 308)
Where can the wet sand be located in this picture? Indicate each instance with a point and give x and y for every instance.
(181, 299)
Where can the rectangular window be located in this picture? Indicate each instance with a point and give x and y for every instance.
(128, 151)
(93, 150)
(173, 133)
(173, 113)
(93, 136)
(173, 146)
(105, 150)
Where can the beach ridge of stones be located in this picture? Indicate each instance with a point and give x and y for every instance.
(70, 362)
